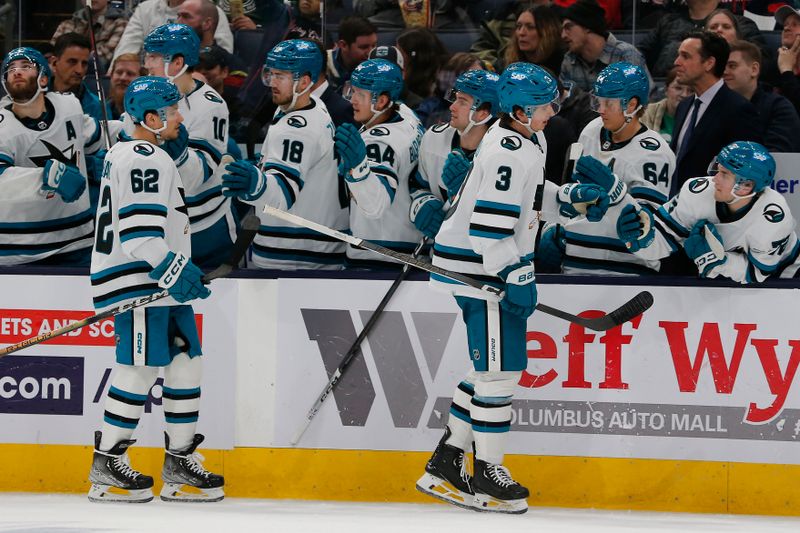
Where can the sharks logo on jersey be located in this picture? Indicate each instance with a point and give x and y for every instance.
(773, 213)
(296, 121)
(699, 185)
(67, 156)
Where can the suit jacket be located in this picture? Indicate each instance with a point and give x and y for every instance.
(341, 110)
(728, 118)
(780, 120)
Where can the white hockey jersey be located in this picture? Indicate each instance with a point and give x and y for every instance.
(205, 117)
(379, 210)
(645, 163)
(141, 217)
(437, 143)
(498, 211)
(35, 225)
(298, 162)
(759, 239)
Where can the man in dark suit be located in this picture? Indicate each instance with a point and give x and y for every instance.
(341, 110)
(715, 116)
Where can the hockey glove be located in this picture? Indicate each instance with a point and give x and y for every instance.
(520, 290)
(454, 171)
(353, 164)
(589, 170)
(64, 180)
(242, 180)
(576, 199)
(704, 246)
(427, 214)
(180, 277)
(550, 252)
(178, 148)
(635, 228)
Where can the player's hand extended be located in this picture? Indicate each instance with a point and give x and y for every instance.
(62, 179)
(180, 277)
(635, 228)
(352, 152)
(576, 199)
(705, 247)
(454, 171)
(550, 252)
(178, 148)
(589, 170)
(427, 214)
(243, 180)
(520, 291)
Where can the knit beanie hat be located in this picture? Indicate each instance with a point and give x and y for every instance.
(589, 14)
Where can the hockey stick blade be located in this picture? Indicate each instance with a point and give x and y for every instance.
(627, 311)
(243, 239)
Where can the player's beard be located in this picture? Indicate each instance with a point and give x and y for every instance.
(279, 100)
(25, 93)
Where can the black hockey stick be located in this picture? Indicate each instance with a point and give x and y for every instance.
(574, 153)
(100, 93)
(632, 308)
(246, 235)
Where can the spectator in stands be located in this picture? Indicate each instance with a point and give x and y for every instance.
(536, 39)
(612, 12)
(660, 46)
(660, 116)
(715, 116)
(789, 55)
(255, 13)
(723, 23)
(307, 21)
(495, 33)
(127, 68)
(151, 14)
(591, 47)
(108, 27)
(779, 118)
(202, 16)
(424, 55)
(341, 110)
(576, 109)
(215, 67)
(70, 63)
(438, 110)
(357, 36)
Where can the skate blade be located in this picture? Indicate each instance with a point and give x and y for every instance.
(109, 494)
(443, 490)
(487, 504)
(175, 492)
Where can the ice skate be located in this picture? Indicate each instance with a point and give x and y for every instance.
(113, 479)
(496, 491)
(185, 479)
(446, 477)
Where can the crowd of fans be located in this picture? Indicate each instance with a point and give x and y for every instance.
(752, 89)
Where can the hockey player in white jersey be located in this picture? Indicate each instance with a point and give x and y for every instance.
(143, 246)
(731, 223)
(640, 161)
(447, 150)
(378, 162)
(490, 236)
(45, 213)
(172, 51)
(297, 168)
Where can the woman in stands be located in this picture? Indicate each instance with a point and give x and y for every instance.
(660, 116)
(723, 23)
(536, 39)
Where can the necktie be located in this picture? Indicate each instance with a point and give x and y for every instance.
(687, 137)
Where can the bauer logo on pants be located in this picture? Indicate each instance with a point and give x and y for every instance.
(41, 385)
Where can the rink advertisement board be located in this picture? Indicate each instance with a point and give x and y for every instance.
(705, 374)
(53, 393)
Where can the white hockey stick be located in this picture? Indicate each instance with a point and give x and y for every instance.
(250, 226)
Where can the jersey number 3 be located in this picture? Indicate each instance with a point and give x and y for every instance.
(503, 182)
